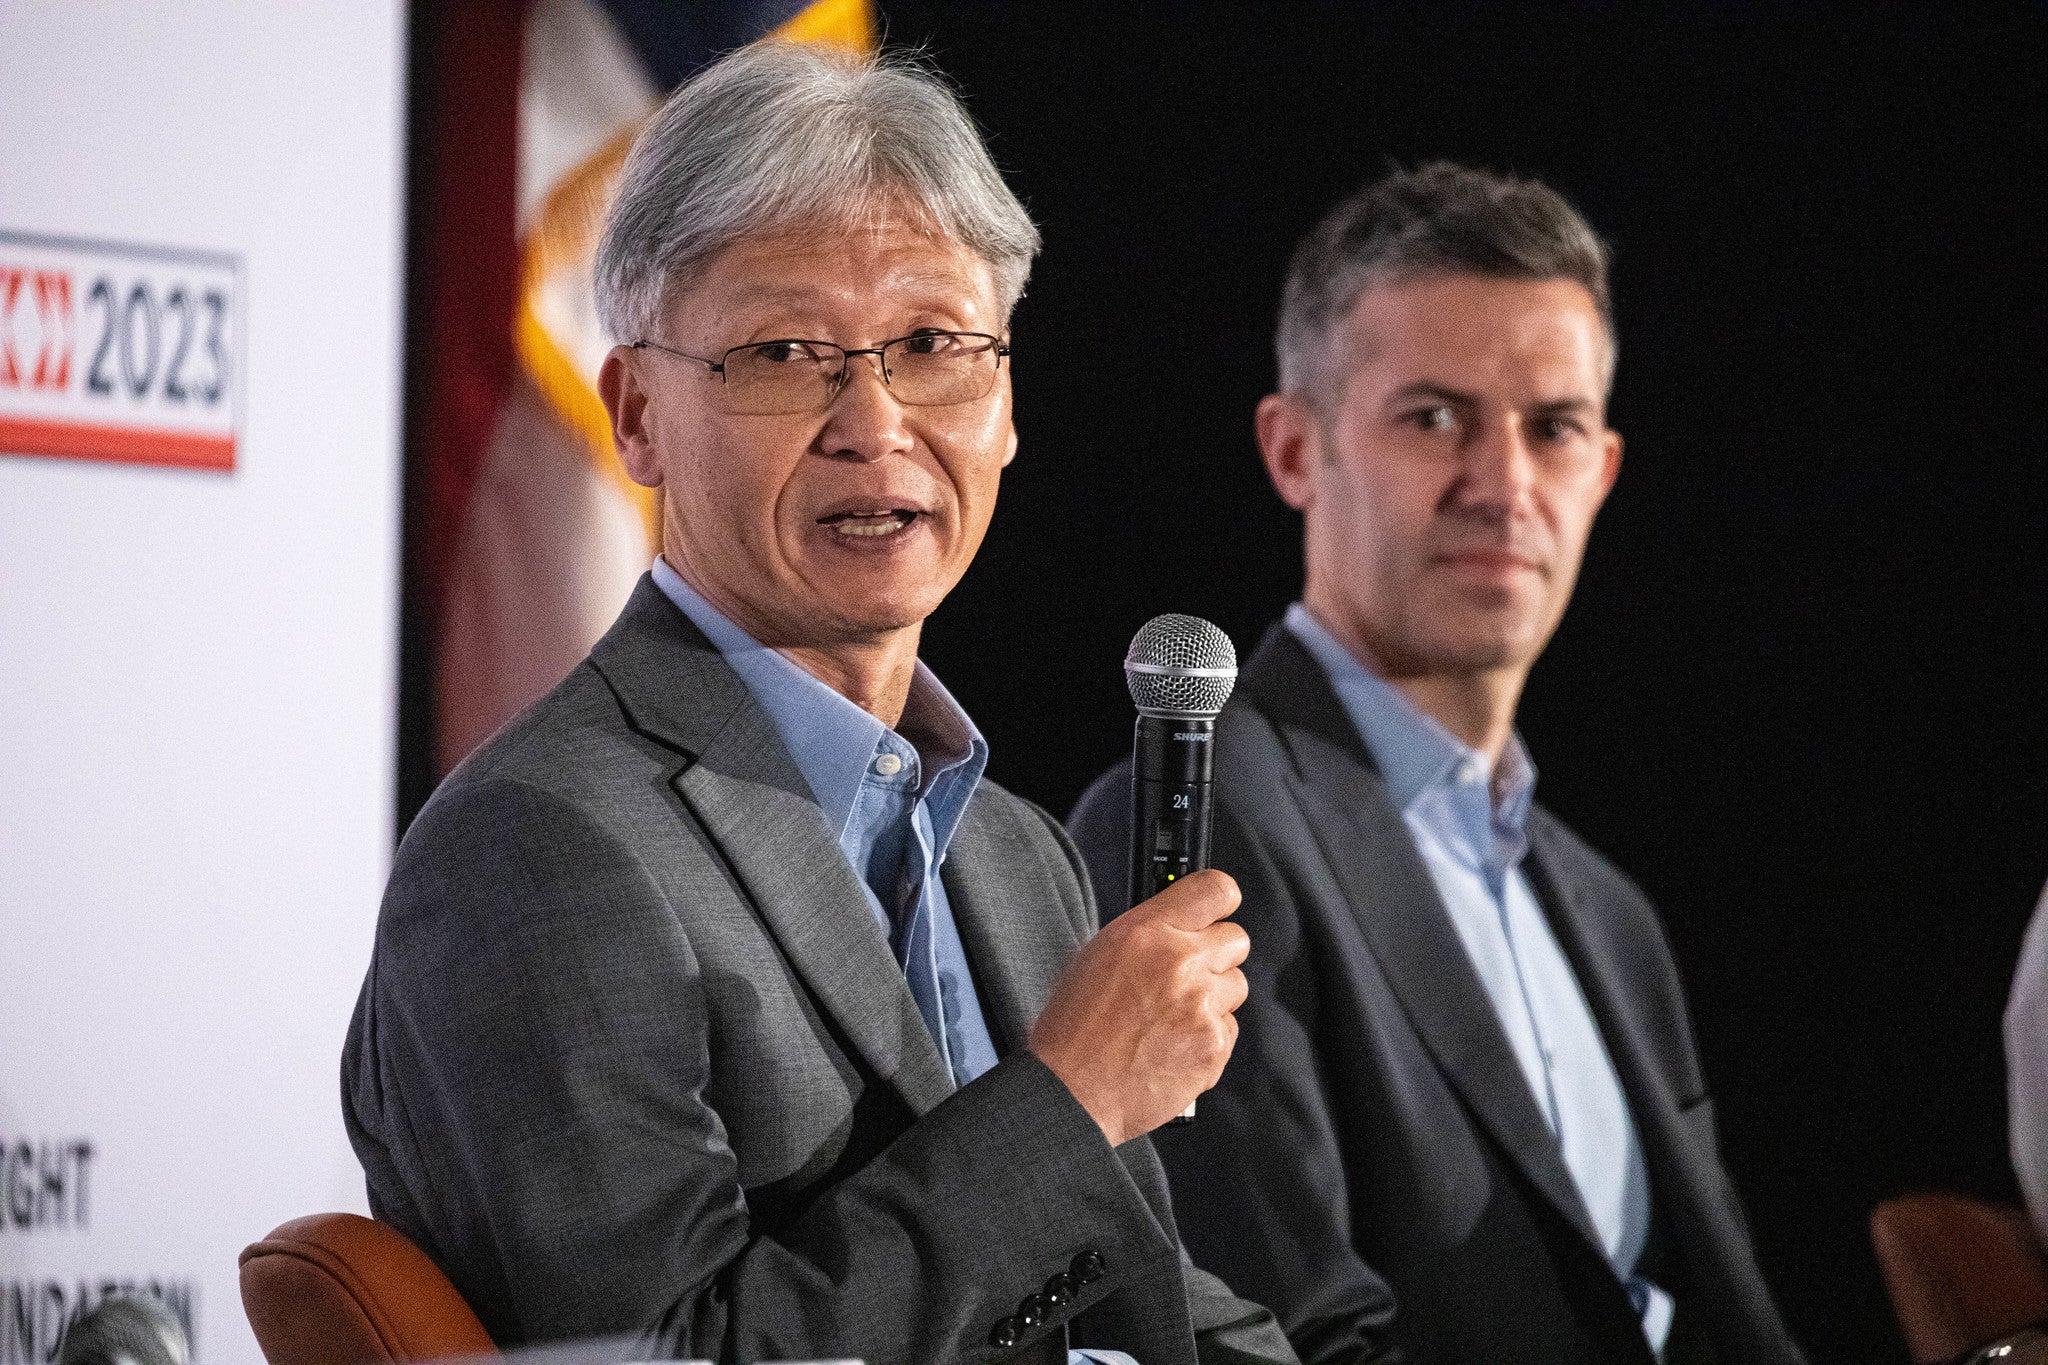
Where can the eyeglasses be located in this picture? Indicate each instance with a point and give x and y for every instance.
(927, 369)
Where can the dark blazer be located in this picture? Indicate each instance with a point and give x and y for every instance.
(633, 1057)
(1372, 1164)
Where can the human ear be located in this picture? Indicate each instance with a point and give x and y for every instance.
(1611, 461)
(1290, 441)
(618, 384)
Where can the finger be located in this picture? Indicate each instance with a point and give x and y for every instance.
(1224, 945)
(1195, 901)
(1230, 991)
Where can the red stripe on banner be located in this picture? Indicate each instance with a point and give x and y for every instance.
(465, 279)
(116, 445)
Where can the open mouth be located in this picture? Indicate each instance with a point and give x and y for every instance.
(872, 525)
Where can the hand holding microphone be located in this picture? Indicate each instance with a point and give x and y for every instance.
(1141, 1021)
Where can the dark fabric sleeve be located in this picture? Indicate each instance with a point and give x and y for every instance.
(526, 1081)
(1228, 1329)
(1260, 1191)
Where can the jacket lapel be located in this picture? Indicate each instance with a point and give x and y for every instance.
(742, 785)
(1679, 1181)
(1576, 922)
(1400, 915)
(1016, 941)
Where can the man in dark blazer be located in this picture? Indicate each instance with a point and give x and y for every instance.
(717, 1001)
(1465, 1121)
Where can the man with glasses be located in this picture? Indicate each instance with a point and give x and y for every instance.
(718, 1000)
(1465, 1120)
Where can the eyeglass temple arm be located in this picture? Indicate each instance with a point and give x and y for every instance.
(716, 366)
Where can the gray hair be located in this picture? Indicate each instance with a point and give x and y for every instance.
(1436, 219)
(782, 136)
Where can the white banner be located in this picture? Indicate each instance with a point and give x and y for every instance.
(201, 242)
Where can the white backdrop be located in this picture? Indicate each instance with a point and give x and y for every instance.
(197, 665)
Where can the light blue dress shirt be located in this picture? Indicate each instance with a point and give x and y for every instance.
(893, 805)
(1469, 823)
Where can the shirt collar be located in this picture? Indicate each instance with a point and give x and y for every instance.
(834, 742)
(1413, 751)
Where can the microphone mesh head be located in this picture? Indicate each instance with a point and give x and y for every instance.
(1182, 665)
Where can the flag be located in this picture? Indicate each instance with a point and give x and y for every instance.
(529, 533)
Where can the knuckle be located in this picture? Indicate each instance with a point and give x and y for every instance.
(1222, 1037)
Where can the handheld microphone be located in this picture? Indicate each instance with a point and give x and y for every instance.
(1180, 670)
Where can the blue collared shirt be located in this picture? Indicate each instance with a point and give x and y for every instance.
(1469, 822)
(893, 806)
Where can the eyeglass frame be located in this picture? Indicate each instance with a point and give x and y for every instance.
(717, 367)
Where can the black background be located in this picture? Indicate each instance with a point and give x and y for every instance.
(1799, 695)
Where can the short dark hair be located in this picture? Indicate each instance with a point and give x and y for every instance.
(1439, 218)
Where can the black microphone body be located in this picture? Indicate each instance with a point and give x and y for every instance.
(1180, 670)
(1172, 758)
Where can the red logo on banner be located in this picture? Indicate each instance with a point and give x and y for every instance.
(36, 350)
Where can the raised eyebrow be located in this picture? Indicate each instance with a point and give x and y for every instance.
(1435, 392)
(1566, 407)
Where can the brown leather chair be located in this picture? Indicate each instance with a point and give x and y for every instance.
(337, 1289)
(1960, 1271)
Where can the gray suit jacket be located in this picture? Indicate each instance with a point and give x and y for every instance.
(633, 1057)
(1422, 1208)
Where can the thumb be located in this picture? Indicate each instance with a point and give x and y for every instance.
(1196, 901)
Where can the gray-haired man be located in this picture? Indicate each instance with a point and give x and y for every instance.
(717, 999)
(1465, 1121)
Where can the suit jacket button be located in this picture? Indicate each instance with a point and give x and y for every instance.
(1059, 1290)
(1032, 1311)
(1004, 1334)
(1088, 1267)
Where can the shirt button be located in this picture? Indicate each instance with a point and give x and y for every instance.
(888, 765)
(1471, 772)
